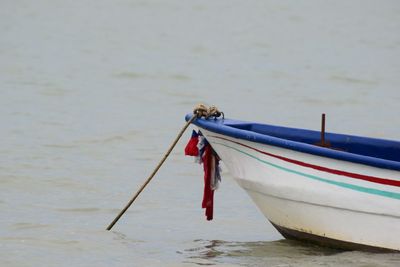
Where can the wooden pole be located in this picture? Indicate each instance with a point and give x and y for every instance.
(153, 173)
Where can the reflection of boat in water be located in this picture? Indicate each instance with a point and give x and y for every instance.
(345, 194)
(260, 253)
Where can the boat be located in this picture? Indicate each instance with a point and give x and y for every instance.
(330, 189)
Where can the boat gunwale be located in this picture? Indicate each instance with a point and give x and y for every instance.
(220, 126)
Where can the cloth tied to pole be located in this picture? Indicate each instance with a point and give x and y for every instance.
(202, 150)
(199, 148)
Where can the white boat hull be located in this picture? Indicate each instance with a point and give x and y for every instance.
(312, 197)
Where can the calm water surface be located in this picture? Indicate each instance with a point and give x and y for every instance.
(93, 92)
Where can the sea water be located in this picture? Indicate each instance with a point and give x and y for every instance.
(92, 93)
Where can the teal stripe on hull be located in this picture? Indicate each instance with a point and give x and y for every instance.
(341, 184)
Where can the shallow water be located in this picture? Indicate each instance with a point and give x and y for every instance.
(93, 92)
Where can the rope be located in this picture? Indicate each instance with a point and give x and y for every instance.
(110, 226)
(202, 110)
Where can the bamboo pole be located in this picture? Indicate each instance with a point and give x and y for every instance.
(153, 173)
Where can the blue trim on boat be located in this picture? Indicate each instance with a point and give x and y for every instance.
(363, 150)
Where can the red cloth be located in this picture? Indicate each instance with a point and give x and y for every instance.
(209, 164)
(191, 147)
(208, 196)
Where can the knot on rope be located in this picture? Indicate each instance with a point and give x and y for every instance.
(202, 110)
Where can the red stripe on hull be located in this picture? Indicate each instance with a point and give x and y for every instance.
(372, 179)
